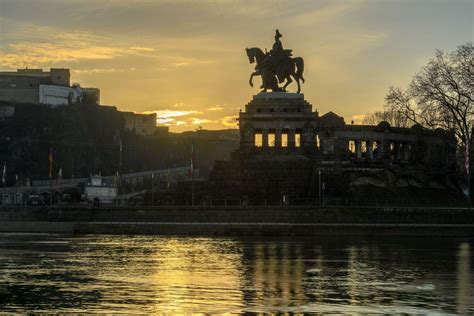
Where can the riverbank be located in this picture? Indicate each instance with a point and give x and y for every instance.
(238, 229)
(232, 221)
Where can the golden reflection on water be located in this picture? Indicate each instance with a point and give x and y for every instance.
(183, 275)
(194, 274)
(464, 297)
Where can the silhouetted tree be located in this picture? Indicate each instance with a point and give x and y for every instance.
(394, 117)
(440, 95)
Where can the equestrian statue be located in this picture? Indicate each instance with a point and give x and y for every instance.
(276, 66)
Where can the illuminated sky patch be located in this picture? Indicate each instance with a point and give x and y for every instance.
(189, 56)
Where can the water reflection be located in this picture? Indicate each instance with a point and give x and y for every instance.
(464, 278)
(177, 275)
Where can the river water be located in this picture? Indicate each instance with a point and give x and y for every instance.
(182, 275)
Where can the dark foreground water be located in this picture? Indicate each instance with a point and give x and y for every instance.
(176, 275)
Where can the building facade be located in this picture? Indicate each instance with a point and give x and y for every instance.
(140, 124)
(287, 151)
(44, 87)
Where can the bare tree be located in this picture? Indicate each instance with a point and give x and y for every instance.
(440, 95)
(395, 118)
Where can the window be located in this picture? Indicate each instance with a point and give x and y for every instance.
(352, 146)
(258, 139)
(318, 142)
(298, 139)
(271, 139)
(374, 146)
(284, 139)
(363, 146)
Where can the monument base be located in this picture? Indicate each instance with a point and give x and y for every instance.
(278, 95)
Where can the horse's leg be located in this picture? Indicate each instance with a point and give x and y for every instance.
(251, 77)
(288, 81)
(297, 78)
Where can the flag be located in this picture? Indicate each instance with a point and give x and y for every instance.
(50, 158)
(60, 175)
(4, 177)
(466, 159)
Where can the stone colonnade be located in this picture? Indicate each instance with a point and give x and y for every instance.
(380, 149)
(284, 137)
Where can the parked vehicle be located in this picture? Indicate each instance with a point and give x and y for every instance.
(99, 191)
(34, 200)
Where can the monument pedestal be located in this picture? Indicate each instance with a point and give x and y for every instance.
(276, 122)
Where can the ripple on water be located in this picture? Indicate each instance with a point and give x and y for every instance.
(152, 274)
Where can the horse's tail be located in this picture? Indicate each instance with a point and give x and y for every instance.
(299, 67)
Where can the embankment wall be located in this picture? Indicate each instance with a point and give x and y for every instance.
(239, 221)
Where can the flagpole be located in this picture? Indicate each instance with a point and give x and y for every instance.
(120, 171)
(4, 177)
(16, 189)
(51, 176)
(192, 174)
(152, 193)
(468, 170)
(60, 175)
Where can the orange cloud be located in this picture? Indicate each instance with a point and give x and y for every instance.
(56, 47)
(229, 121)
(216, 108)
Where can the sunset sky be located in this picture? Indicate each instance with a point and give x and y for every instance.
(186, 60)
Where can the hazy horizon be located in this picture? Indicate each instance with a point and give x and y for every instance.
(185, 60)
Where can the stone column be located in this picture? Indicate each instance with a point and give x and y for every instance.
(278, 138)
(247, 137)
(384, 149)
(406, 152)
(398, 151)
(358, 148)
(308, 139)
(291, 138)
(264, 137)
(370, 151)
(250, 137)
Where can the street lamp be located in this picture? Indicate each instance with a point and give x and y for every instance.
(319, 187)
(16, 189)
(152, 193)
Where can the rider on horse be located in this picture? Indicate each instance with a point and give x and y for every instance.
(276, 57)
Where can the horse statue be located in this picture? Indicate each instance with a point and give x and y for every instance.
(285, 69)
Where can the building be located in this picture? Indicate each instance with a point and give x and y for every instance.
(44, 87)
(140, 124)
(289, 153)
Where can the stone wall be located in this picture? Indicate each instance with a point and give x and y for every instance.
(23, 85)
(241, 221)
(140, 124)
(20, 89)
(263, 215)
